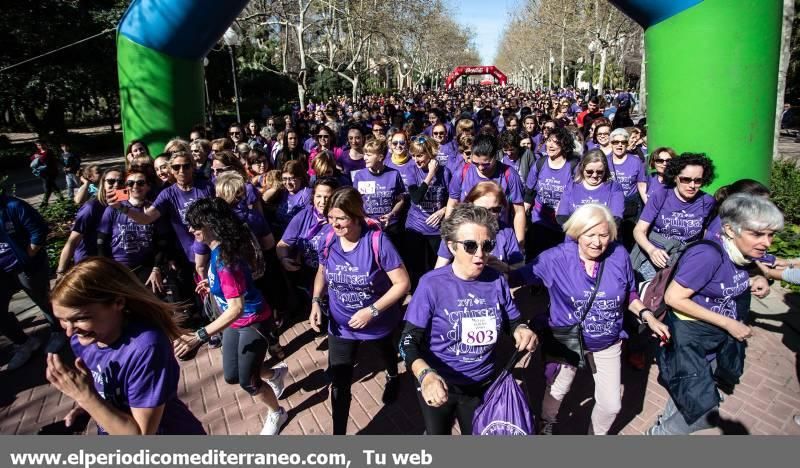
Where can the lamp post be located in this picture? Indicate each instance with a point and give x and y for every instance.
(232, 39)
(550, 73)
(593, 46)
(321, 69)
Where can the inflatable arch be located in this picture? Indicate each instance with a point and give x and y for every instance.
(458, 72)
(711, 73)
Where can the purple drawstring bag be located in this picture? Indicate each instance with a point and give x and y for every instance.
(504, 410)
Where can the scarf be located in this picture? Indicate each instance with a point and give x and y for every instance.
(401, 159)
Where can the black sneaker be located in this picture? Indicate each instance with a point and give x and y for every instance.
(390, 390)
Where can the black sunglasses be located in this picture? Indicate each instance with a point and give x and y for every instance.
(689, 180)
(471, 246)
(115, 181)
(591, 173)
(220, 170)
(184, 166)
(138, 183)
(661, 160)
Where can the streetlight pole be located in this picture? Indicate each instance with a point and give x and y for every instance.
(232, 39)
(550, 73)
(593, 46)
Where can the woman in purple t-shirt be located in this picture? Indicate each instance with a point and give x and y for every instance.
(592, 184)
(364, 280)
(125, 375)
(658, 164)
(326, 140)
(293, 199)
(382, 189)
(351, 158)
(453, 323)
(674, 217)
(705, 315)
(588, 260)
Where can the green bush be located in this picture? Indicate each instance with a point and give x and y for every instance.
(785, 186)
(787, 245)
(59, 217)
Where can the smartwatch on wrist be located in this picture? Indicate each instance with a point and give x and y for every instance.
(202, 335)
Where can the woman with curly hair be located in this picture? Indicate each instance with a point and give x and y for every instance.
(674, 217)
(244, 315)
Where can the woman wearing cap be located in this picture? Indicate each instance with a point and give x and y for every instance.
(453, 323)
(673, 217)
(589, 275)
(364, 280)
(705, 315)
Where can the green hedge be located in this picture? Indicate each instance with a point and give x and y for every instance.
(785, 186)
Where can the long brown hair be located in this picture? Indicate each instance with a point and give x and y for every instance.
(99, 280)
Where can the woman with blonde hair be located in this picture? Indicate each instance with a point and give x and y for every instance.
(125, 375)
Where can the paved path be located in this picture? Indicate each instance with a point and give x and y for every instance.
(763, 403)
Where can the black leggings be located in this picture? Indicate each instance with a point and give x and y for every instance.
(243, 353)
(341, 358)
(462, 401)
(422, 253)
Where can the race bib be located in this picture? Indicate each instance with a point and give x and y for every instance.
(366, 187)
(478, 331)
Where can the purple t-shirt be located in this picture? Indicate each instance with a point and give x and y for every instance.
(403, 169)
(549, 185)
(132, 244)
(434, 200)
(714, 230)
(379, 191)
(506, 248)
(348, 164)
(676, 219)
(562, 272)
(139, 370)
(505, 176)
(715, 279)
(8, 259)
(628, 173)
(304, 232)
(654, 185)
(462, 322)
(173, 203)
(290, 204)
(86, 222)
(355, 280)
(576, 195)
(450, 149)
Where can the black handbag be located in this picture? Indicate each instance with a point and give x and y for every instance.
(565, 344)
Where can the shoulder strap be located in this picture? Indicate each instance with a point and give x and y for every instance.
(464, 170)
(539, 165)
(507, 174)
(327, 245)
(674, 269)
(375, 238)
(588, 305)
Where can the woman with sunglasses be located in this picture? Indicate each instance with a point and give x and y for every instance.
(245, 314)
(658, 163)
(428, 193)
(484, 166)
(351, 158)
(628, 171)
(82, 240)
(382, 189)
(547, 180)
(258, 167)
(324, 165)
(592, 184)
(326, 140)
(506, 254)
(673, 217)
(589, 261)
(453, 322)
(139, 247)
(463, 155)
(439, 137)
(293, 199)
(291, 150)
(400, 159)
(364, 280)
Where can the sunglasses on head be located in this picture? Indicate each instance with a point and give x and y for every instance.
(178, 167)
(471, 246)
(689, 180)
(138, 183)
(591, 173)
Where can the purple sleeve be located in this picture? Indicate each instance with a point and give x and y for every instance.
(654, 203)
(697, 266)
(536, 272)
(163, 202)
(292, 233)
(107, 221)
(390, 259)
(153, 379)
(565, 205)
(251, 194)
(454, 188)
(514, 186)
(82, 219)
(616, 200)
(200, 248)
(533, 177)
(512, 313)
(511, 248)
(443, 251)
(641, 175)
(399, 187)
(421, 308)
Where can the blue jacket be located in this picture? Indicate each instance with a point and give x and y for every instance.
(20, 226)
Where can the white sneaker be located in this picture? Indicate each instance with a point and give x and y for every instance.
(274, 421)
(23, 353)
(276, 382)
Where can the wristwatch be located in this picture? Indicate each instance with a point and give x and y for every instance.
(202, 335)
(316, 300)
(374, 310)
(641, 314)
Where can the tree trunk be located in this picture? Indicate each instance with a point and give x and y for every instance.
(563, 45)
(603, 59)
(355, 88)
(643, 83)
(786, 42)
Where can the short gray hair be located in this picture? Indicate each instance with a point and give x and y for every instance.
(746, 211)
(588, 216)
(467, 213)
(621, 132)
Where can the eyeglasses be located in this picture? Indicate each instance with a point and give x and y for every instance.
(439, 134)
(323, 135)
(619, 142)
(220, 170)
(179, 167)
(289, 179)
(468, 153)
(115, 181)
(661, 160)
(689, 180)
(591, 173)
(471, 246)
(379, 130)
(398, 143)
(602, 133)
(138, 183)
(234, 133)
(195, 151)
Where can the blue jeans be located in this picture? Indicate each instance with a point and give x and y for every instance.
(72, 183)
(672, 422)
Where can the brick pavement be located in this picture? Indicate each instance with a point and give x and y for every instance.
(764, 403)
